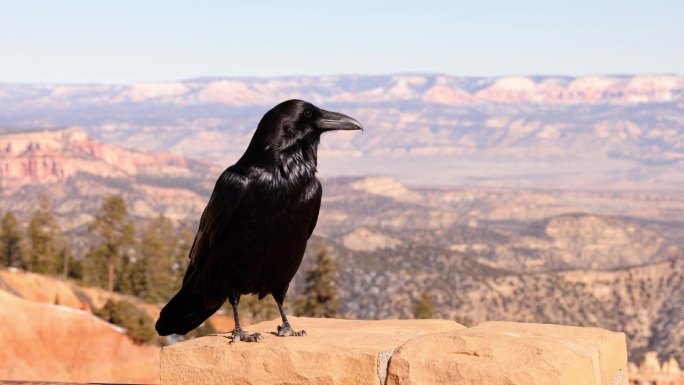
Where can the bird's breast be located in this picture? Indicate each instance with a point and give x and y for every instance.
(281, 215)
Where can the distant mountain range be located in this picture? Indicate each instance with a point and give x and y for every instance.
(433, 89)
(617, 132)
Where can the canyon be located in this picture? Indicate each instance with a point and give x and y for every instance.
(526, 199)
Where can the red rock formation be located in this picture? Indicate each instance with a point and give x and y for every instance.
(650, 371)
(49, 156)
(49, 333)
(56, 343)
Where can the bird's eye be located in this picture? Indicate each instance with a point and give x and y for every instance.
(308, 113)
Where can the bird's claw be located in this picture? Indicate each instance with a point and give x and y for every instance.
(285, 330)
(240, 335)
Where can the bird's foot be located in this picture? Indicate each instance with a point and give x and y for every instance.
(240, 335)
(285, 330)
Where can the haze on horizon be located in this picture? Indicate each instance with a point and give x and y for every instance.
(79, 41)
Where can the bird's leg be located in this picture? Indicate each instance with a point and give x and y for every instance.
(238, 333)
(285, 329)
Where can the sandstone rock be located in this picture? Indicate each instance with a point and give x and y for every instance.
(386, 187)
(512, 353)
(632, 369)
(56, 155)
(75, 171)
(57, 343)
(671, 366)
(650, 371)
(584, 241)
(333, 352)
(650, 363)
(55, 291)
(39, 288)
(419, 352)
(363, 239)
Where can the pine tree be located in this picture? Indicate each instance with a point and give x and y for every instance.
(130, 278)
(320, 295)
(94, 266)
(11, 253)
(157, 250)
(66, 257)
(423, 308)
(139, 326)
(44, 243)
(115, 231)
(75, 270)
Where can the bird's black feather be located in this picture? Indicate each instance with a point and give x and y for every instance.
(226, 197)
(253, 233)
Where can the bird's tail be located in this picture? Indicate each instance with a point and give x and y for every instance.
(186, 310)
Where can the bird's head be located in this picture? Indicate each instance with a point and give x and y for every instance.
(296, 124)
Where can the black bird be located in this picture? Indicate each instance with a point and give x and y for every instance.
(253, 232)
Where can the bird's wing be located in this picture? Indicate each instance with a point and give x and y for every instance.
(228, 191)
(317, 199)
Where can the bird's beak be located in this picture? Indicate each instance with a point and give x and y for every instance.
(335, 121)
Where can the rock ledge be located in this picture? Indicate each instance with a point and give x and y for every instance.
(395, 352)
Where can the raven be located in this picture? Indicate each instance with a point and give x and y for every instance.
(253, 232)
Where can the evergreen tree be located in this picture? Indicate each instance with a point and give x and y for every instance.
(75, 270)
(139, 326)
(44, 243)
(115, 232)
(423, 308)
(320, 295)
(94, 266)
(131, 276)
(66, 257)
(11, 253)
(157, 250)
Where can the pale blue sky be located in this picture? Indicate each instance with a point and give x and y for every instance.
(125, 41)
